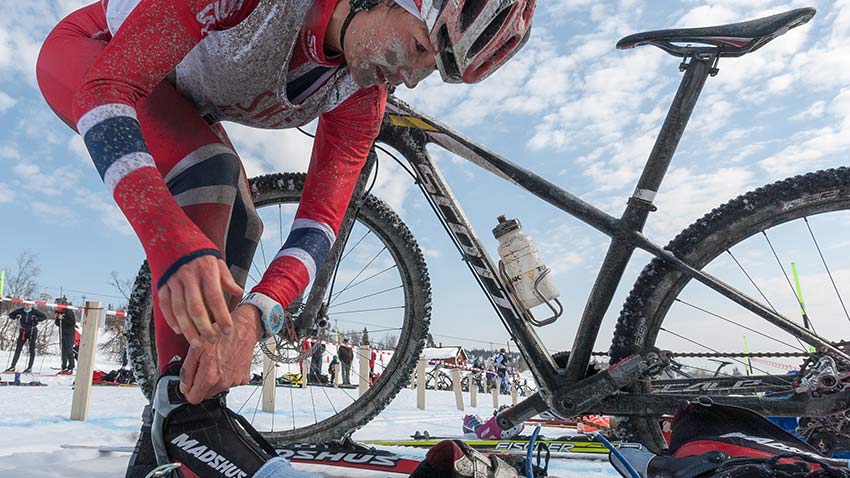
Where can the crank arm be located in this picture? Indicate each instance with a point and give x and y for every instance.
(578, 398)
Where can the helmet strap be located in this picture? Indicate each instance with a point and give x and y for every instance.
(355, 6)
(344, 28)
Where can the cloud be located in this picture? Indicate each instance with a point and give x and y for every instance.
(6, 193)
(6, 102)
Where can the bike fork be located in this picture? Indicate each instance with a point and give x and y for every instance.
(313, 308)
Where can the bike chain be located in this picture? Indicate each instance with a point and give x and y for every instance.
(727, 354)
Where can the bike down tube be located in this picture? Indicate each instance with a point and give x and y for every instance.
(475, 255)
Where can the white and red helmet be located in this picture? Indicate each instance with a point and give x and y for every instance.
(473, 37)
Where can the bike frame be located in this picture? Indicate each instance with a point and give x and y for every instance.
(409, 131)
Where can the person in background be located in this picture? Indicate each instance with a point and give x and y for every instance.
(346, 356)
(66, 320)
(315, 375)
(28, 319)
(332, 370)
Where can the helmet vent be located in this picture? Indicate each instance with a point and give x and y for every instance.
(487, 35)
(470, 11)
(447, 57)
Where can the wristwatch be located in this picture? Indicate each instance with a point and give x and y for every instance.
(271, 313)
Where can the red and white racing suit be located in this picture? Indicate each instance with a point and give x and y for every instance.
(146, 83)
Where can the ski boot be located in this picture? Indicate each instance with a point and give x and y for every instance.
(456, 459)
(208, 439)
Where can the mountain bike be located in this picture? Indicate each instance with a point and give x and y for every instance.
(376, 271)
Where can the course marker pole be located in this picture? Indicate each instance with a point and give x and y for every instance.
(85, 363)
(473, 391)
(806, 322)
(363, 359)
(420, 383)
(513, 393)
(495, 392)
(269, 382)
(458, 388)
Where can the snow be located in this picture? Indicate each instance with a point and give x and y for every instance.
(34, 422)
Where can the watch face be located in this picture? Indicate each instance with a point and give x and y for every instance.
(276, 318)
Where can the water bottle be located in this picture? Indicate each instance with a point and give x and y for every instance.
(522, 264)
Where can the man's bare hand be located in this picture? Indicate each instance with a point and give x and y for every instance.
(214, 368)
(192, 300)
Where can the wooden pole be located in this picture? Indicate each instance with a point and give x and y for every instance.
(458, 389)
(305, 372)
(85, 362)
(420, 383)
(269, 378)
(495, 392)
(473, 391)
(513, 393)
(363, 358)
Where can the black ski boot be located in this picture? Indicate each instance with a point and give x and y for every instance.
(143, 459)
(210, 440)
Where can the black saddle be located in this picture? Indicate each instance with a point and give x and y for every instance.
(732, 40)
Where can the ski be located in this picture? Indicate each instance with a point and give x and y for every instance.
(326, 454)
(349, 455)
(562, 447)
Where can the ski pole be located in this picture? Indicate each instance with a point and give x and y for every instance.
(529, 453)
(619, 456)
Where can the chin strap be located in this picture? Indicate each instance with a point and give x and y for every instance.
(355, 6)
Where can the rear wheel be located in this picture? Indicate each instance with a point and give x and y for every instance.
(750, 243)
(381, 288)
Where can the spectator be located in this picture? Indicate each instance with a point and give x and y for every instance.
(332, 370)
(501, 363)
(29, 319)
(346, 355)
(315, 375)
(66, 320)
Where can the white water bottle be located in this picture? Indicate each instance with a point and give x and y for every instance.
(523, 265)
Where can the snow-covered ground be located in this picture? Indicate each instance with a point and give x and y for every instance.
(34, 422)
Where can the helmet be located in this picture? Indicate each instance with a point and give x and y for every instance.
(473, 37)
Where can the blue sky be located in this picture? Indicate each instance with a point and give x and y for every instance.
(569, 107)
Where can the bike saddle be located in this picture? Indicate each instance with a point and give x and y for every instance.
(731, 40)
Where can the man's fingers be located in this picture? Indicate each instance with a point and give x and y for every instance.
(227, 283)
(188, 370)
(197, 309)
(219, 310)
(164, 294)
(204, 381)
(178, 305)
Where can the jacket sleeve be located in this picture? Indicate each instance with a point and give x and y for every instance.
(39, 315)
(153, 39)
(343, 140)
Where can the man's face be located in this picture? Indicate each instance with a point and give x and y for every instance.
(27, 307)
(388, 45)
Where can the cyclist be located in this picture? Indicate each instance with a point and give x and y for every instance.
(146, 83)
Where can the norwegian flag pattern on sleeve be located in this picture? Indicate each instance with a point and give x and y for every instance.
(129, 68)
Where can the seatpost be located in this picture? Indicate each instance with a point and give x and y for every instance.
(638, 208)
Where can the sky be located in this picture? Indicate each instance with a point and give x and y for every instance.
(569, 106)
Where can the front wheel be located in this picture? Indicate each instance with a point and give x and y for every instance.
(381, 290)
(774, 243)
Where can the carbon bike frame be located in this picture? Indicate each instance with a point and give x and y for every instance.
(409, 131)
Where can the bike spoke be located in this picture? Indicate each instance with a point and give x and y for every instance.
(394, 266)
(739, 324)
(361, 272)
(784, 273)
(374, 294)
(761, 293)
(828, 272)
